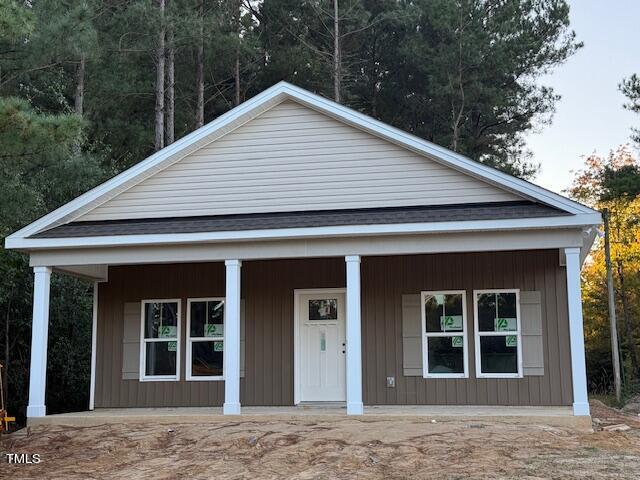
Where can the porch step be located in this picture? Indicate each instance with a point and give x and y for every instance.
(322, 405)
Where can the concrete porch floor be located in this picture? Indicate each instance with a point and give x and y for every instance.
(552, 416)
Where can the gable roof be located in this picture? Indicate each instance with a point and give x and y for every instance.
(258, 105)
(292, 158)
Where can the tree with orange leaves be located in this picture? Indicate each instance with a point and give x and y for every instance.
(613, 183)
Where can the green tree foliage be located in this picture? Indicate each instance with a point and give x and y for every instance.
(44, 162)
(42, 166)
(630, 87)
(464, 74)
(16, 21)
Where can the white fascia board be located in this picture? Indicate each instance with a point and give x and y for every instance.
(573, 221)
(274, 95)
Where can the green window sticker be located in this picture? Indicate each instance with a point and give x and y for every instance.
(213, 329)
(502, 324)
(511, 340)
(167, 331)
(450, 323)
(172, 346)
(456, 342)
(218, 346)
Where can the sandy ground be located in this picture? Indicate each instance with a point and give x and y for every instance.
(329, 448)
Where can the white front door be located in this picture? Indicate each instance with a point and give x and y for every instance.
(321, 348)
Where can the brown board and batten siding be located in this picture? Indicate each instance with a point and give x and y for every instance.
(386, 279)
(268, 289)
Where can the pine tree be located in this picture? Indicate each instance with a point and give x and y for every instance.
(630, 87)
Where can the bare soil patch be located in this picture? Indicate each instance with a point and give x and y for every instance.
(318, 448)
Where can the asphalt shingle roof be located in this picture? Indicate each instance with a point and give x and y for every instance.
(323, 218)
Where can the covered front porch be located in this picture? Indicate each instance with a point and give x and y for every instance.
(260, 363)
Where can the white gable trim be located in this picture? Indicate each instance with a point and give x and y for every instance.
(259, 104)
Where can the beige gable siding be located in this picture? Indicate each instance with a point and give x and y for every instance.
(293, 158)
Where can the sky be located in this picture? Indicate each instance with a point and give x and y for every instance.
(590, 117)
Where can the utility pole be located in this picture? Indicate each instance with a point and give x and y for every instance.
(615, 354)
(337, 55)
(160, 66)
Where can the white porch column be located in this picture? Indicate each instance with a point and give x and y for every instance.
(354, 337)
(39, 335)
(576, 332)
(232, 339)
(94, 342)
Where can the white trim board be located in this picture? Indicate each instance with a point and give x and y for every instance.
(575, 221)
(309, 248)
(254, 107)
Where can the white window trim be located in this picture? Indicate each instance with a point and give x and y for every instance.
(478, 334)
(425, 335)
(144, 341)
(200, 378)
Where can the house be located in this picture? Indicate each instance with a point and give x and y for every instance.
(294, 250)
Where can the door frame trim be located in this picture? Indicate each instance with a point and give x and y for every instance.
(296, 331)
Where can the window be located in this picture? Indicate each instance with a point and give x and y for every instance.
(160, 340)
(444, 334)
(205, 338)
(497, 324)
(326, 309)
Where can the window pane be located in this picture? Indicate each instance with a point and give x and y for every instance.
(207, 319)
(446, 354)
(499, 354)
(453, 316)
(326, 309)
(215, 323)
(198, 316)
(453, 304)
(486, 312)
(207, 358)
(161, 358)
(507, 320)
(443, 313)
(161, 320)
(434, 310)
(170, 314)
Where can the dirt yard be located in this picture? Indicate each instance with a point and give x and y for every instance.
(329, 448)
